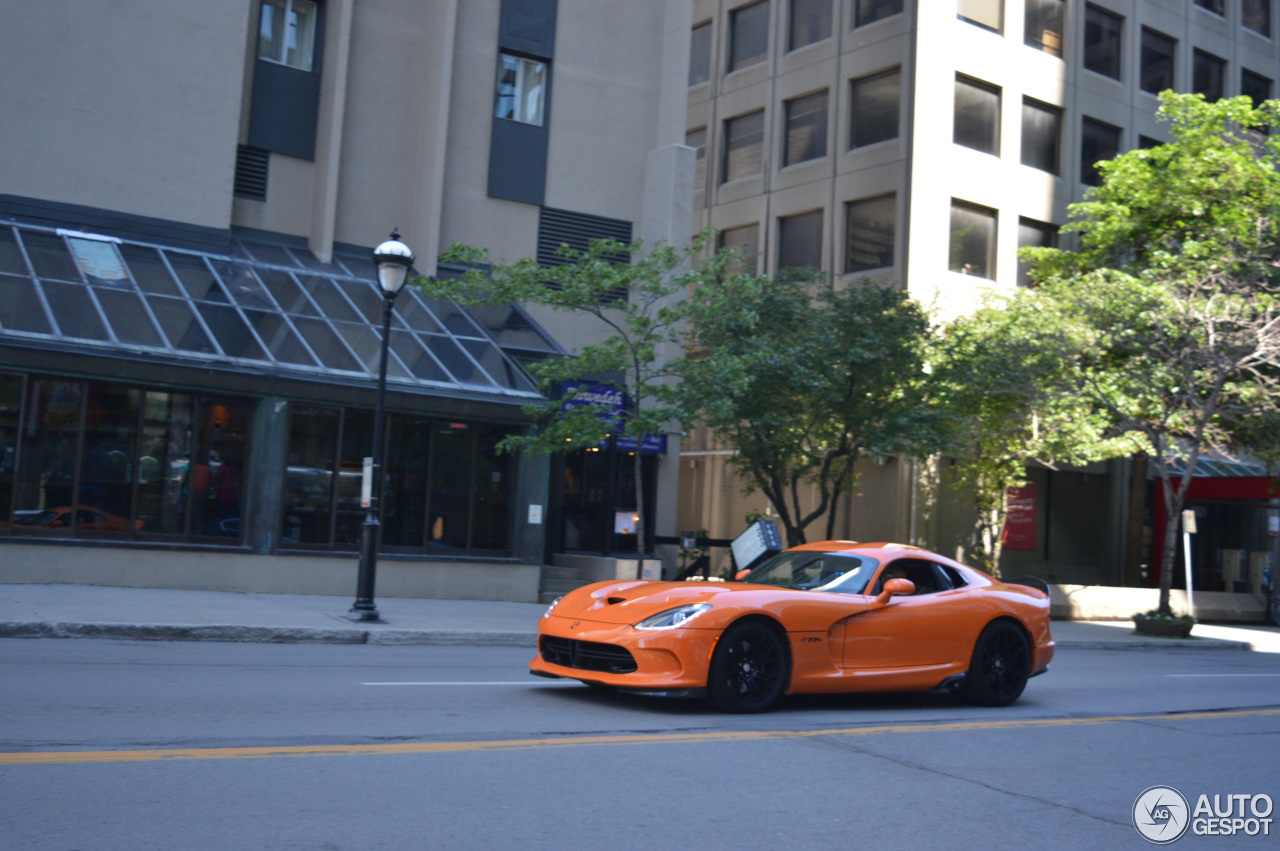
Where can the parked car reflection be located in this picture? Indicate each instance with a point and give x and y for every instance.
(88, 519)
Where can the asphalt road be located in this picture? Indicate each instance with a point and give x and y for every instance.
(121, 745)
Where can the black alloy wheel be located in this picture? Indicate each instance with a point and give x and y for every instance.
(1000, 666)
(750, 670)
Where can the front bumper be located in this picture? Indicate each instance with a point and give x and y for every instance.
(622, 656)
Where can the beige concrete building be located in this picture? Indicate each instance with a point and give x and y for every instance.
(189, 328)
(924, 143)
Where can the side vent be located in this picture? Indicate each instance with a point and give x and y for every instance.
(251, 172)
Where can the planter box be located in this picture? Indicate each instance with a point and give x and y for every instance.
(1171, 629)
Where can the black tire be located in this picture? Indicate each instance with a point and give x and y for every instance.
(750, 669)
(1000, 666)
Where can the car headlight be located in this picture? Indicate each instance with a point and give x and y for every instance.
(673, 618)
(552, 607)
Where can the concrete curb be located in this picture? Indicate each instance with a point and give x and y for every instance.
(439, 637)
(263, 634)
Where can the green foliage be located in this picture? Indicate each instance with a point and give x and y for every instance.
(802, 379)
(1004, 375)
(1173, 291)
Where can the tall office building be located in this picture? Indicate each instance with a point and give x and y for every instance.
(923, 143)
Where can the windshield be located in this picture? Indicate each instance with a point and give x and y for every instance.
(845, 573)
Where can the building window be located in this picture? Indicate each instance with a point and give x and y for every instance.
(1147, 143)
(869, 233)
(800, 241)
(522, 89)
(973, 240)
(869, 11)
(744, 241)
(1256, 15)
(743, 146)
(977, 115)
(1256, 86)
(748, 35)
(806, 129)
(1098, 141)
(1218, 7)
(697, 139)
(1208, 74)
(1043, 29)
(447, 488)
(985, 13)
(1035, 234)
(700, 54)
(874, 108)
(1155, 73)
(106, 460)
(1041, 135)
(810, 22)
(287, 33)
(1102, 41)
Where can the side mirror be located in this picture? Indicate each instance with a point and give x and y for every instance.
(893, 588)
(741, 575)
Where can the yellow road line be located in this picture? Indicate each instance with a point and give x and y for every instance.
(65, 757)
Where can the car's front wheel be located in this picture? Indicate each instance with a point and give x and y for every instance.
(750, 668)
(1000, 666)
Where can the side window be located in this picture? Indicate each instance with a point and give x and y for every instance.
(954, 576)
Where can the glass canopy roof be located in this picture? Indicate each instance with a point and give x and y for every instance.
(264, 304)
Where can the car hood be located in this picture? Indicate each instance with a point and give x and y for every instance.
(633, 601)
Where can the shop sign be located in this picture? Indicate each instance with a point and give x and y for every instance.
(1020, 518)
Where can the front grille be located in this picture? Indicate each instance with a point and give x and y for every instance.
(586, 655)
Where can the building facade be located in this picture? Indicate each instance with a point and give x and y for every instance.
(923, 143)
(189, 324)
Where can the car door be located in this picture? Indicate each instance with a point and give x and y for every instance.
(924, 628)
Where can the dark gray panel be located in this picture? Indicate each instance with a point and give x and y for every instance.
(286, 103)
(528, 26)
(518, 161)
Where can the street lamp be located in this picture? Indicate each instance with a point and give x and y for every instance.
(393, 259)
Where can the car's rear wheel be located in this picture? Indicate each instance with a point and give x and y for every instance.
(1000, 666)
(750, 668)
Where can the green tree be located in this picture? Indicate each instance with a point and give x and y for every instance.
(1174, 291)
(1004, 376)
(639, 307)
(803, 379)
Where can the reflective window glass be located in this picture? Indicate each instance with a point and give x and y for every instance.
(20, 306)
(233, 336)
(973, 240)
(10, 422)
(286, 292)
(800, 241)
(331, 301)
(977, 115)
(308, 496)
(244, 285)
(128, 318)
(806, 128)
(416, 358)
(744, 241)
(11, 259)
(869, 233)
(1155, 59)
(164, 466)
(149, 270)
(454, 359)
(743, 146)
(196, 277)
(414, 312)
(870, 11)
(500, 369)
(451, 486)
(810, 22)
(279, 338)
(362, 340)
(74, 311)
(748, 34)
(874, 108)
(99, 262)
(179, 325)
(700, 54)
(1043, 25)
(49, 255)
(44, 489)
(326, 344)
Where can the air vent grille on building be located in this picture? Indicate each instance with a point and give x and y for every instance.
(251, 172)
(576, 230)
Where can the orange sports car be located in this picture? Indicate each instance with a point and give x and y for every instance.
(829, 617)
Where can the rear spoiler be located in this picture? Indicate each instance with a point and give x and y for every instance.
(1030, 582)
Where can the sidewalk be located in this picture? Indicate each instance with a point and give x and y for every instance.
(157, 614)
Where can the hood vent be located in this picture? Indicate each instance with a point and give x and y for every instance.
(615, 600)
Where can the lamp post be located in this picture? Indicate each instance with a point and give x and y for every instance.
(392, 259)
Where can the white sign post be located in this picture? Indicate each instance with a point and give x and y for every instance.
(1188, 529)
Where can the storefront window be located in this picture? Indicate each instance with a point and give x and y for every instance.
(446, 487)
(108, 460)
